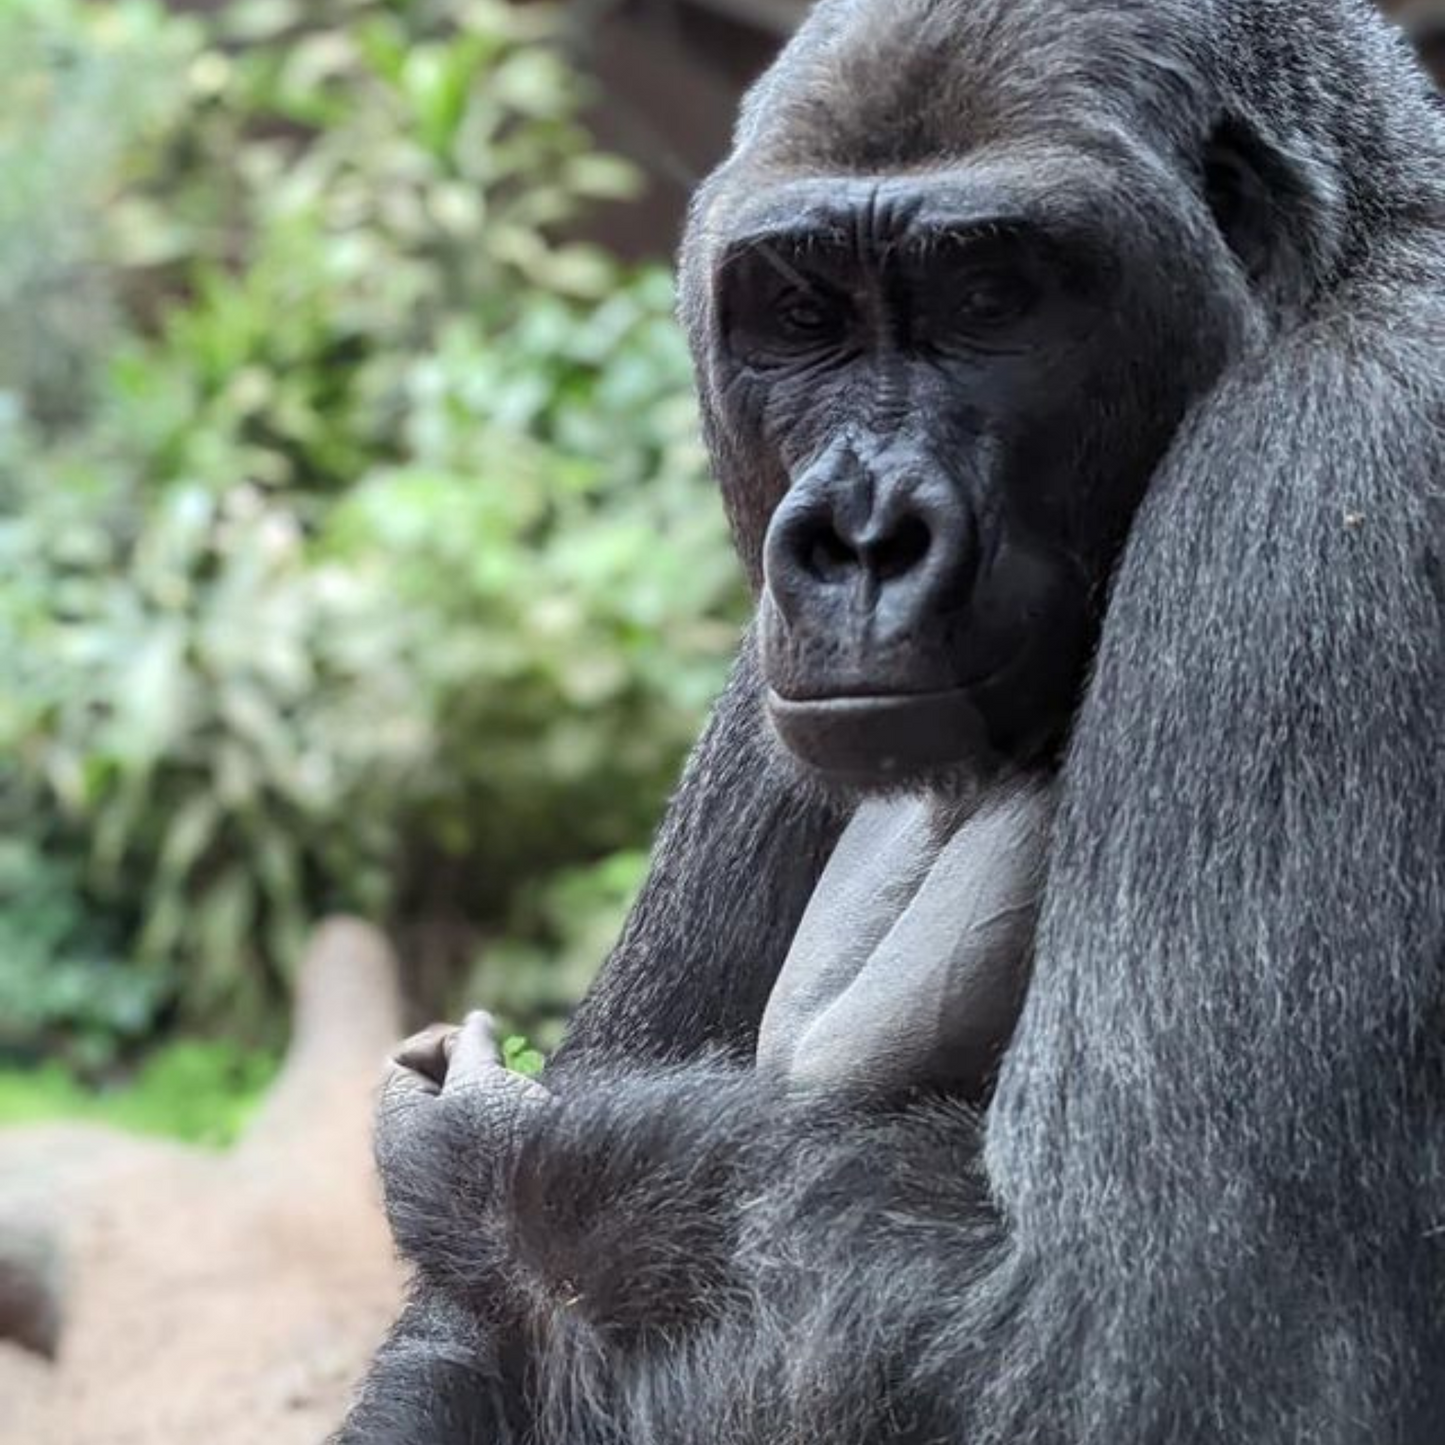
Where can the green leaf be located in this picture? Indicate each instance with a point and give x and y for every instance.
(521, 1058)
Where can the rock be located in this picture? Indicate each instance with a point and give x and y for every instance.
(32, 1286)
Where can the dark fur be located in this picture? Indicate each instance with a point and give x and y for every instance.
(1209, 1203)
(682, 1256)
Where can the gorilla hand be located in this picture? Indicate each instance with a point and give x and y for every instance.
(447, 1060)
(536, 1211)
(452, 1116)
(912, 961)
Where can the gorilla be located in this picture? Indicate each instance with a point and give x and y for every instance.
(1032, 1031)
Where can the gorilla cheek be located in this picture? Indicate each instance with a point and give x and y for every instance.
(1033, 633)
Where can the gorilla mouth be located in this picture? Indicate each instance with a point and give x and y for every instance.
(877, 737)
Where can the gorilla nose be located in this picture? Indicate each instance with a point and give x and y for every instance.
(890, 555)
(836, 555)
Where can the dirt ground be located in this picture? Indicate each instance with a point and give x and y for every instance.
(227, 1298)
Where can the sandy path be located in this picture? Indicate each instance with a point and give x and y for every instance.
(228, 1298)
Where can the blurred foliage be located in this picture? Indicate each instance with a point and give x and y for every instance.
(58, 975)
(356, 545)
(75, 102)
(564, 923)
(204, 1093)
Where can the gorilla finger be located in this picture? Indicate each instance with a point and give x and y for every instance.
(478, 1071)
(427, 1053)
(479, 1074)
(472, 1050)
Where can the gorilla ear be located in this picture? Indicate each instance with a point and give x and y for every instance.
(1252, 191)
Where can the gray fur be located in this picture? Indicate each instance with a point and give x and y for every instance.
(1207, 1203)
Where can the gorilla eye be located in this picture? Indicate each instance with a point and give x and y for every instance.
(807, 316)
(772, 326)
(988, 299)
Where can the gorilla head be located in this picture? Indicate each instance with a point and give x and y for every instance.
(945, 337)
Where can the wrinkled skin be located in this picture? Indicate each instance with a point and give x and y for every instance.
(445, 1061)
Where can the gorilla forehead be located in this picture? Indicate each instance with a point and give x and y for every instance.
(879, 87)
(868, 85)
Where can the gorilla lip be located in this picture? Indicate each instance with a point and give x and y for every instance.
(873, 736)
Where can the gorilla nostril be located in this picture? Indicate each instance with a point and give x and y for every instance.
(901, 550)
(826, 556)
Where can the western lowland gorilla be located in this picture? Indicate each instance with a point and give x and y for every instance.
(1075, 374)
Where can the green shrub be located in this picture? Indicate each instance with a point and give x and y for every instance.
(203, 1093)
(61, 976)
(360, 554)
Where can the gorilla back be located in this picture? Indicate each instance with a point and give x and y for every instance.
(1022, 326)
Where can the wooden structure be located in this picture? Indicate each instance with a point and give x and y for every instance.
(669, 74)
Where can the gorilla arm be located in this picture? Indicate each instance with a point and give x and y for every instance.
(912, 961)
(658, 1256)
(448, 1126)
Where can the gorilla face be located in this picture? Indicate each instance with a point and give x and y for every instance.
(947, 395)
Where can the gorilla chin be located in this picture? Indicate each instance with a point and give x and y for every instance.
(885, 740)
